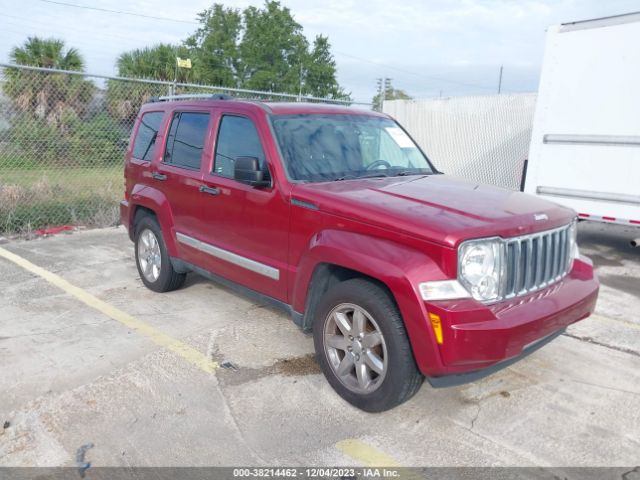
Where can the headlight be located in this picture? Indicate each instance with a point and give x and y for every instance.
(480, 268)
(573, 243)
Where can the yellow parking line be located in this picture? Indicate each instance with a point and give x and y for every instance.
(187, 352)
(615, 320)
(366, 454)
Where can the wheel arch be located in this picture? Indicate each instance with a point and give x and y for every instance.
(326, 276)
(150, 201)
(335, 256)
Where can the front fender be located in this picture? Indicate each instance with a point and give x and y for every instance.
(155, 200)
(399, 267)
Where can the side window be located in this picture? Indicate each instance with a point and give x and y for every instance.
(186, 138)
(146, 136)
(237, 137)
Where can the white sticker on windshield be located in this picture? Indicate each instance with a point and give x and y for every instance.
(401, 138)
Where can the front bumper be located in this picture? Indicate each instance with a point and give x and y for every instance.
(462, 378)
(478, 336)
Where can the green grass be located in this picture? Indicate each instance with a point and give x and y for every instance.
(91, 177)
(32, 199)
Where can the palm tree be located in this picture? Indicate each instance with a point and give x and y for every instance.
(47, 53)
(48, 96)
(155, 63)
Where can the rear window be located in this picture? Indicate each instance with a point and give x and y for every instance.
(186, 138)
(146, 136)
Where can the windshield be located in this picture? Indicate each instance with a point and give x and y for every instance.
(320, 148)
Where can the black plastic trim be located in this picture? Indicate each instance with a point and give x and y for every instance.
(183, 267)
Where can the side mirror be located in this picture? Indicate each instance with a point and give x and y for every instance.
(247, 170)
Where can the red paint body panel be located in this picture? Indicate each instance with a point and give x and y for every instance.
(477, 336)
(401, 231)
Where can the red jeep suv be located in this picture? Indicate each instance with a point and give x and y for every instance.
(337, 216)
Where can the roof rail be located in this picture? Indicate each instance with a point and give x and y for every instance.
(186, 96)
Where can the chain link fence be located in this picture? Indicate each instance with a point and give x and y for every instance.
(63, 137)
(484, 139)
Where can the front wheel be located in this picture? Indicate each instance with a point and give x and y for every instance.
(362, 346)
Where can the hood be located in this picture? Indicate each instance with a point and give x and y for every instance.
(438, 208)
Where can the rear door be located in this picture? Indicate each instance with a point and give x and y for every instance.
(178, 172)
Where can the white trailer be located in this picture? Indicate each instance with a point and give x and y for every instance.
(585, 142)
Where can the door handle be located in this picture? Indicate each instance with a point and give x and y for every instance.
(158, 176)
(210, 190)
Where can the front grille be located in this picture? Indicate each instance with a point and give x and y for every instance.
(536, 261)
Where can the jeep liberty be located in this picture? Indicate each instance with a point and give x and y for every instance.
(336, 215)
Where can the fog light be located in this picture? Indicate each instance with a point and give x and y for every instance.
(436, 324)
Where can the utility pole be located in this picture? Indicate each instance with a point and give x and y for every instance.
(172, 89)
(500, 81)
(384, 86)
(300, 85)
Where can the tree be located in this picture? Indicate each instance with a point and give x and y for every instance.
(154, 63)
(273, 49)
(320, 72)
(53, 97)
(53, 122)
(390, 93)
(261, 49)
(214, 47)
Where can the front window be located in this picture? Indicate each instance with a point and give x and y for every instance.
(319, 148)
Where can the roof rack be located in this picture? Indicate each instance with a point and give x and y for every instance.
(206, 96)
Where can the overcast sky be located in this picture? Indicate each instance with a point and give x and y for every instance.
(428, 47)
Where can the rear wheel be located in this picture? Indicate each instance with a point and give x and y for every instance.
(152, 259)
(362, 346)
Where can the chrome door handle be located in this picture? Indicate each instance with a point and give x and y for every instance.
(158, 176)
(210, 190)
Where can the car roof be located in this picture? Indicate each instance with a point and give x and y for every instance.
(274, 108)
(298, 108)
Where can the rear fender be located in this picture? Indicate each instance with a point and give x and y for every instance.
(155, 200)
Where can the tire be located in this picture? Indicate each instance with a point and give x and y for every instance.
(152, 259)
(383, 349)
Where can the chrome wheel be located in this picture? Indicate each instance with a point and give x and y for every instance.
(355, 348)
(149, 256)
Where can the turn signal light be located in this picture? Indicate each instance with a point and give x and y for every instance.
(436, 324)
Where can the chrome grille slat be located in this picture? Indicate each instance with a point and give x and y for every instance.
(547, 259)
(535, 261)
(556, 255)
(563, 248)
(516, 266)
(539, 261)
(529, 272)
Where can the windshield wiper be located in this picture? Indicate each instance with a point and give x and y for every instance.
(345, 177)
(373, 175)
(408, 173)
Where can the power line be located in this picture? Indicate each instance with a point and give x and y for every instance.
(121, 12)
(438, 79)
(27, 23)
(153, 17)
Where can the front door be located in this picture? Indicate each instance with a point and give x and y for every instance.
(245, 230)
